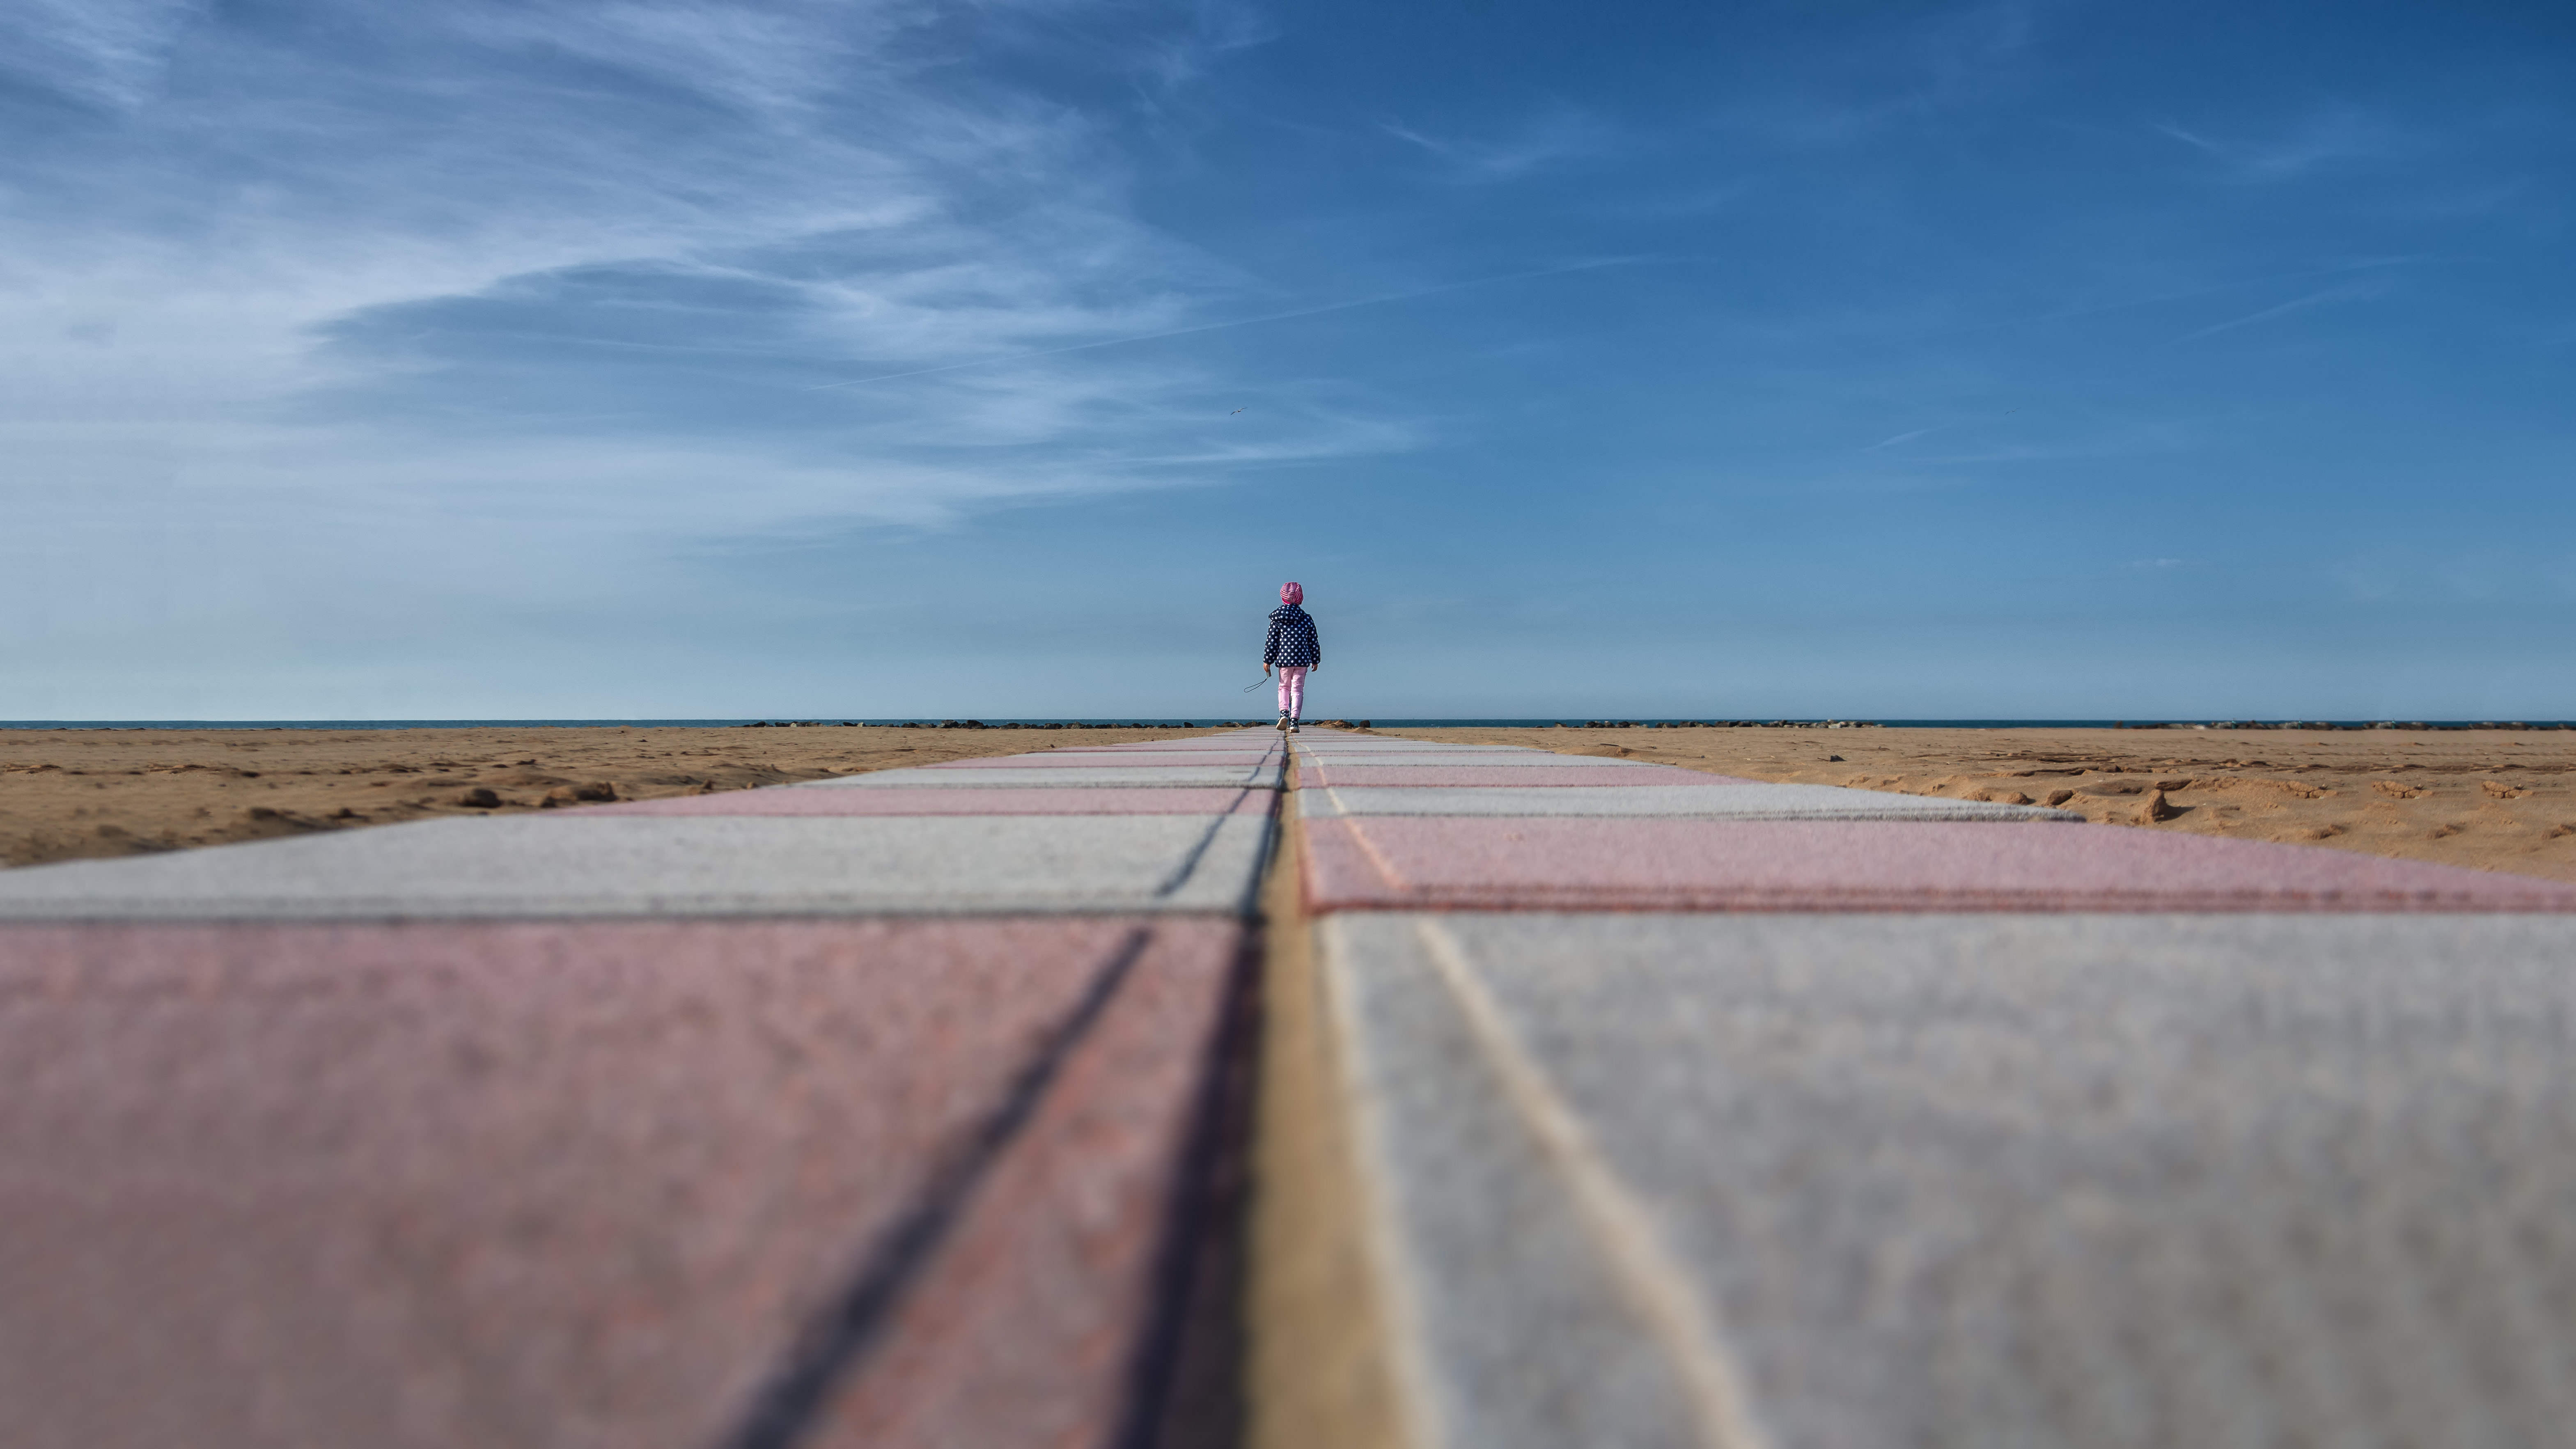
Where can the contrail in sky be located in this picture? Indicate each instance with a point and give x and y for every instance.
(1237, 322)
(1902, 438)
(2158, 299)
(2331, 294)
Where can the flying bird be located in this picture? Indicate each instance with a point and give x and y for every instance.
(1237, 410)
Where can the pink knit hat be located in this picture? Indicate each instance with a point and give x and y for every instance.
(1292, 593)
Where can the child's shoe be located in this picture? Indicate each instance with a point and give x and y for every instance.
(1283, 720)
(1292, 727)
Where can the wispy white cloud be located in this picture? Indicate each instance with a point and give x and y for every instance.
(1561, 135)
(2283, 309)
(1890, 74)
(295, 329)
(2325, 140)
(1906, 437)
(360, 256)
(780, 61)
(1219, 326)
(110, 53)
(1221, 29)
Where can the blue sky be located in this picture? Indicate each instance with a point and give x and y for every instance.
(656, 359)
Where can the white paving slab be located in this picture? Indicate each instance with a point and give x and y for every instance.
(1122, 752)
(1332, 746)
(1697, 802)
(1508, 759)
(2120, 1182)
(1050, 763)
(674, 866)
(1400, 747)
(1257, 777)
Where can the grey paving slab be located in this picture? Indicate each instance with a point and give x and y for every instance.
(1121, 752)
(1514, 759)
(1389, 747)
(1614, 772)
(1732, 802)
(1049, 763)
(1307, 745)
(674, 866)
(1337, 746)
(1239, 740)
(1265, 776)
(2110, 1181)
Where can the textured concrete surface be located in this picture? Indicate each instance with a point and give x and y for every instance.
(587, 1184)
(1482, 759)
(1742, 802)
(1036, 800)
(1248, 739)
(1974, 1181)
(1034, 1325)
(1315, 747)
(756, 1119)
(660, 866)
(1255, 741)
(1987, 1156)
(1333, 773)
(1125, 777)
(1109, 760)
(1646, 864)
(1328, 742)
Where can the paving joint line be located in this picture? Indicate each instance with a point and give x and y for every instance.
(1329, 1358)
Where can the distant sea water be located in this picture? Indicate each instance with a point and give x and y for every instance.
(1175, 723)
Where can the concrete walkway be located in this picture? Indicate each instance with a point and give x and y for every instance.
(878, 1112)
(1693, 1113)
(1608, 1104)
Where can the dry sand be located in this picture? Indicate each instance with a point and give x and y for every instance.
(2487, 799)
(71, 794)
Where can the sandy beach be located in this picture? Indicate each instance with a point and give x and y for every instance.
(2487, 799)
(75, 794)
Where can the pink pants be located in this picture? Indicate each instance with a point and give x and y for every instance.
(1292, 690)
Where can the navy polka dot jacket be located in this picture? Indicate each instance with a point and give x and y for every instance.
(1292, 639)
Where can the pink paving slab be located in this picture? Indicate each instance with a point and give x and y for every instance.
(1700, 865)
(897, 800)
(1318, 772)
(1099, 760)
(555, 1184)
(1008, 1342)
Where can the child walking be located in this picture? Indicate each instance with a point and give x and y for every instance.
(1295, 649)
